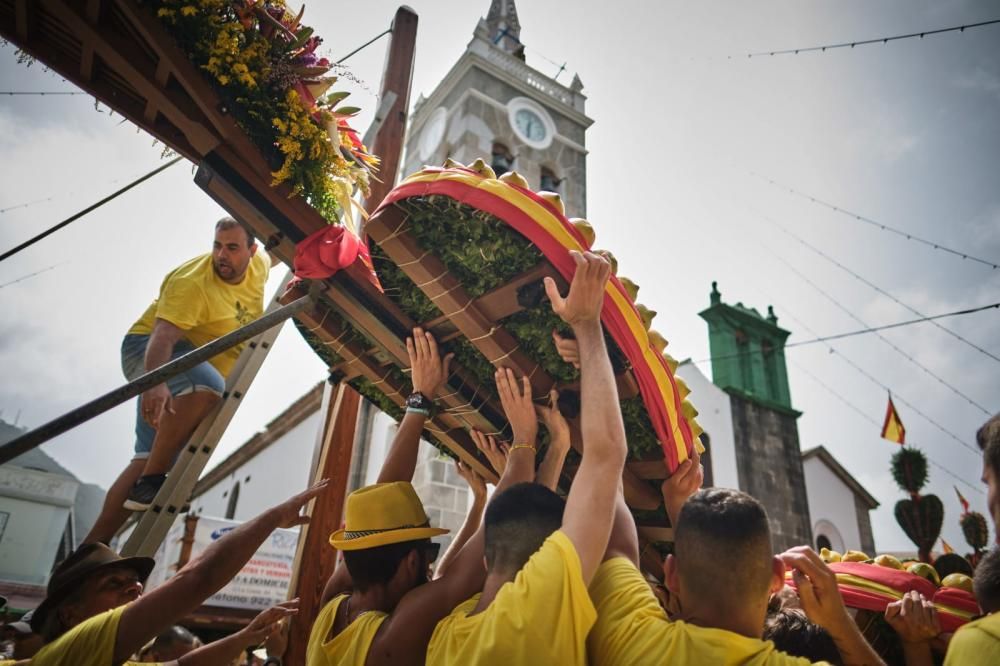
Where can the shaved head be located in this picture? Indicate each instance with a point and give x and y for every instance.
(722, 544)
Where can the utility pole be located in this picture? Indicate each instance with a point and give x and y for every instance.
(315, 559)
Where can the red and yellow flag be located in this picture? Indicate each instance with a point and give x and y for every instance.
(965, 502)
(948, 550)
(893, 429)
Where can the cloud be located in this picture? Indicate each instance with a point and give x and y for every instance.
(980, 80)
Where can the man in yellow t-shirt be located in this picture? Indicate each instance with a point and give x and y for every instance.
(541, 552)
(95, 612)
(978, 642)
(722, 574)
(199, 301)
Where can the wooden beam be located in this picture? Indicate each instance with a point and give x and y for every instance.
(114, 50)
(396, 78)
(315, 559)
(24, 20)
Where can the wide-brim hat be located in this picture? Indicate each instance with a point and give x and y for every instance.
(75, 569)
(382, 514)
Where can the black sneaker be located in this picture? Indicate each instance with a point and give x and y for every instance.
(144, 492)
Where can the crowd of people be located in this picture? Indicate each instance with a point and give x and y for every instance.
(531, 577)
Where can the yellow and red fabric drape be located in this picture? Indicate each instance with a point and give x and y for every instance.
(872, 587)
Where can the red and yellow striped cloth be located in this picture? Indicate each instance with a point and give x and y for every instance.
(872, 587)
(550, 231)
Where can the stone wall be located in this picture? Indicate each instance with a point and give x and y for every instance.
(769, 465)
(865, 526)
(444, 493)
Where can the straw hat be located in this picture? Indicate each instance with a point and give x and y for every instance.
(382, 514)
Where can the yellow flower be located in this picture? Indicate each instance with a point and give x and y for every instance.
(188, 10)
(223, 79)
(163, 12)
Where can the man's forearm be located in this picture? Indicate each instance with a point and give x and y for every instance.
(472, 521)
(854, 649)
(158, 351)
(551, 467)
(222, 651)
(401, 462)
(601, 419)
(222, 560)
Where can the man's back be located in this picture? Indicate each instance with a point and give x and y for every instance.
(350, 646)
(542, 616)
(977, 642)
(632, 628)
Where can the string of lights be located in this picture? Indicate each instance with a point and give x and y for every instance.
(879, 335)
(41, 93)
(833, 350)
(879, 225)
(864, 42)
(56, 227)
(31, 275)
(885, 293)
(863, 331)
(875, 380)
(868, 418)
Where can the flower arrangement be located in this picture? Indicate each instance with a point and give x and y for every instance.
(263, 63)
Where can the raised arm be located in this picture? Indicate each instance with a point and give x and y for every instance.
(590, 507)
(429, 375)
(225, 650)
(472, 519)
(684, 482)
(916, 622)
(408, 630)
(205, 575)
(823, 605)
(559, 442)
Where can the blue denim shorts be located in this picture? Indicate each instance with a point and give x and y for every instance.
(202, 377)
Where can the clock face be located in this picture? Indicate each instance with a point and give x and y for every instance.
(530, 125)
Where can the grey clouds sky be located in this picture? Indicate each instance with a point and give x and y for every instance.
(906, 133)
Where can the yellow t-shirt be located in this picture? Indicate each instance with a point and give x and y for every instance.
(632, 629)
(90, 643)
(541, 617)
(195, 299)
(350, 646)
(978, 642)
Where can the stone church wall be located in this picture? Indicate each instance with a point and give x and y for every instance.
(770, 468)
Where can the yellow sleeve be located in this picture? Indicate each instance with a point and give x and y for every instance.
(973, 644)
(91, 643)
(630, 622)
(549, 587)
(182, 301)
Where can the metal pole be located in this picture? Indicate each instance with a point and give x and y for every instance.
(121, 394)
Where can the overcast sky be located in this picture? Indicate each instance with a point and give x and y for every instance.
(906, 133)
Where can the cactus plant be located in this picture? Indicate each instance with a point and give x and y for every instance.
(920, 516)
(909, 469)
(975, 530)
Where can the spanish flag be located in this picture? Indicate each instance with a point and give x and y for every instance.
(948, 550)
(964, 502)
(893, 429)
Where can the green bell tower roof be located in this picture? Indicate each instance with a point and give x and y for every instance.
(748, 352)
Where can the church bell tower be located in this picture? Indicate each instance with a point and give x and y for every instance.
(493, 105)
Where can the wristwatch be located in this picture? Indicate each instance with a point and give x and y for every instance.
(419, 402)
